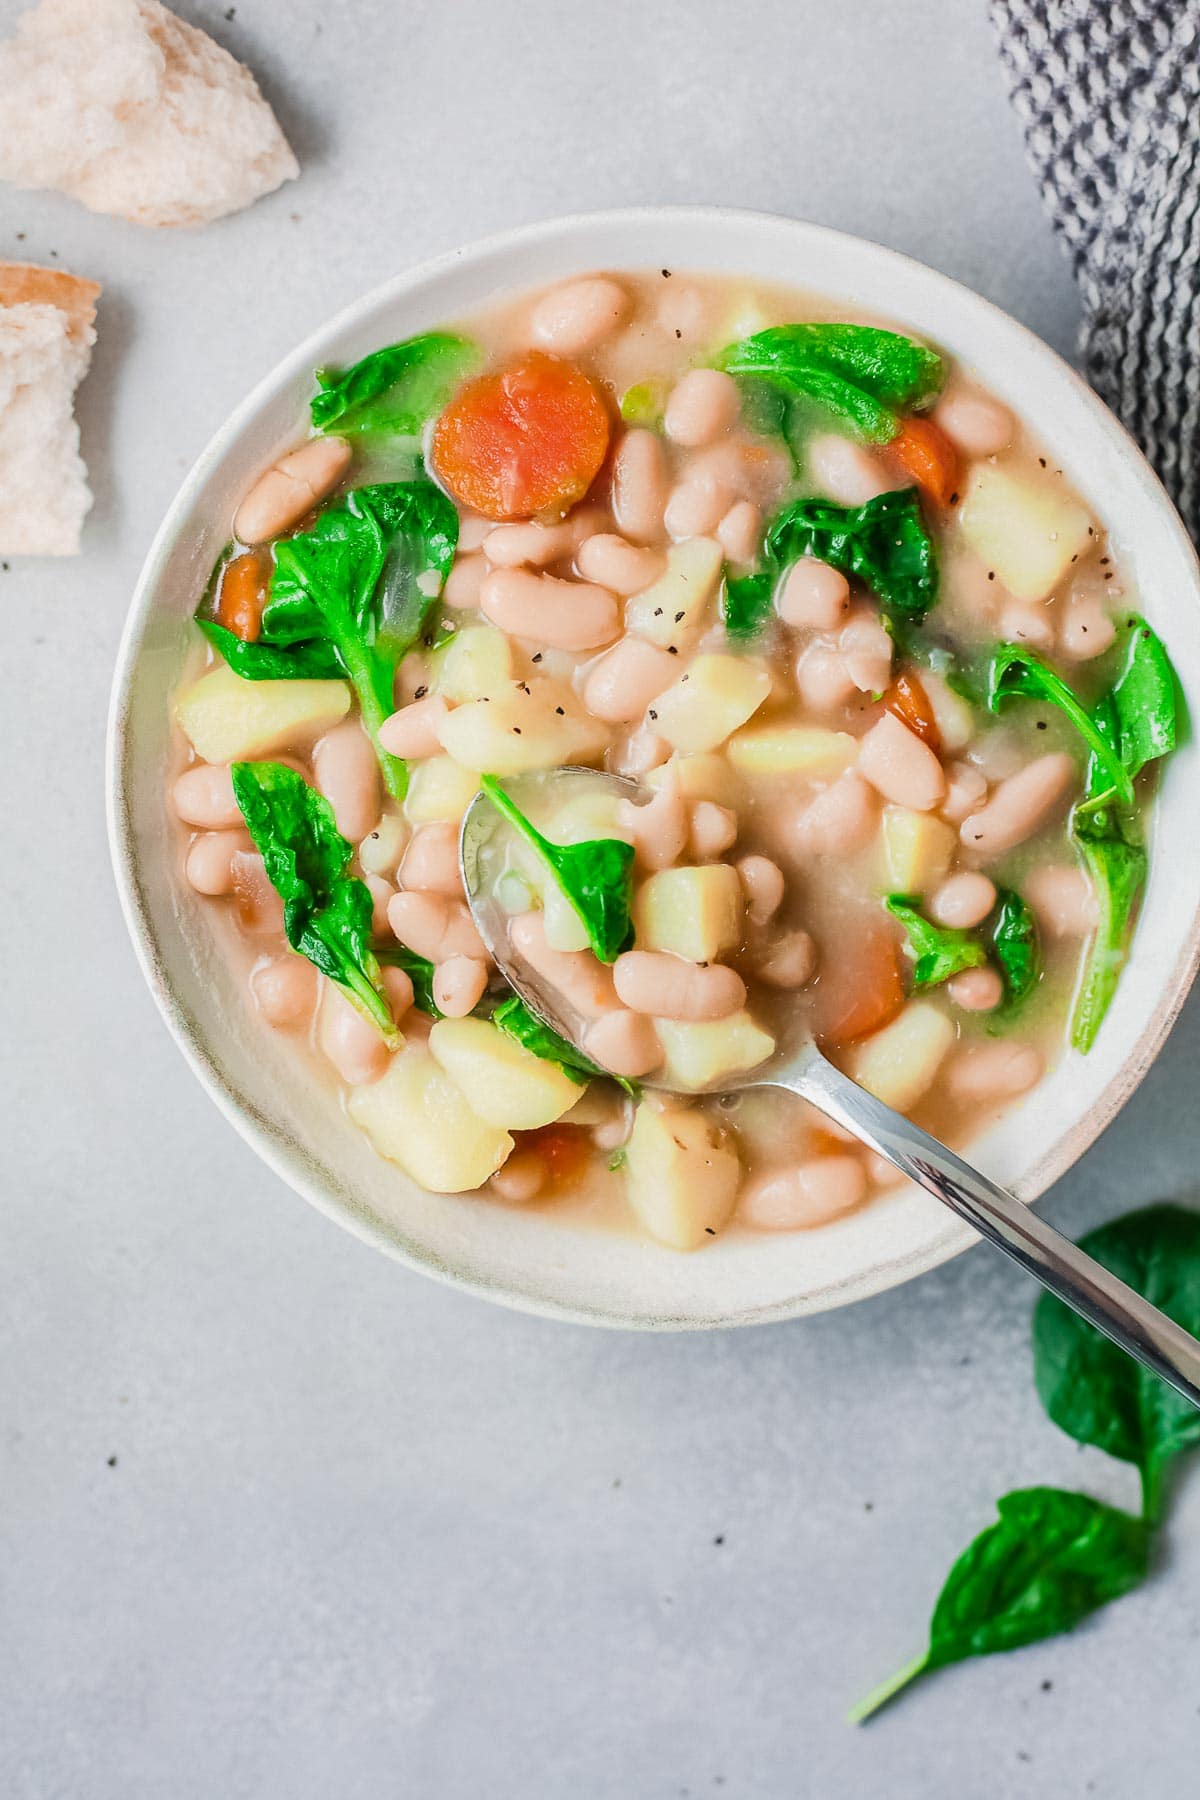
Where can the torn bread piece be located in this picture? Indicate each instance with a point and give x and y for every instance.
(47, 329)
(127, 108)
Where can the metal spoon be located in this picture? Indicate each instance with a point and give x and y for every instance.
(799, 1067)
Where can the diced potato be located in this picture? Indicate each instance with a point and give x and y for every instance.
(695, 913)
(900, 1063)
(439, 791)
(681, 1176)
(523, 725)
(593, 813)
(695, 1056)
(674, 609)
(416, 1116)
(917, 848)
(1026, 529)
(707, 777)
(507, 1085)
(227, 719)
(804, 750)
(710, 700)
(476, 661)
(565, 930)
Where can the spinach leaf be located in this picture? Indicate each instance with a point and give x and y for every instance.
(1117, 865)
(1015, 673)
(595, 876)
(1016, 945)
(420, 972)
(746, 602)
(857, 373)
(937, 952)
(1051, 1558)
(884, 544)
(1144, 700)
(273, 662)
(515, 1020)
(393, 390)
(1093, 1390)
(326, 913)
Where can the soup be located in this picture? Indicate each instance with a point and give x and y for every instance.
(885, 707)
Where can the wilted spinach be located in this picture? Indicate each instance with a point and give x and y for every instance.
(595, 876)
(856, 374)
(1016, 673)
(1016, 945)
(393, 390)
(938, 951)
(517, 1021)
(420, 972)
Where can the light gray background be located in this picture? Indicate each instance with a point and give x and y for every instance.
(282, 1521)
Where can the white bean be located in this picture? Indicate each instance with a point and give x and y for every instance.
(798, 1199)
(585, 983)
(346, 770)
(290, 488)
(901, 765)
(844, 471)
(435, 926)
(568, 615)
(520, 1179)
(352, 1043)
(714, 828)
(380, 851)
(285, 990)
(464, 582)
(976, 425)
(823, 680)
(257, 902)
(624, 1043)
(458, 985)
(1019, 806)
(473, 528)
(702, 406)
(867, 649)
(509, 546)
(695, 506)
(966, 791)
(1063, 899)
(642, 751)
(1028, 622)
(621, 684)
(623, 568)
(204, 796)
(813, 594)
(963, 900)
(431, 861)
(790, 962)
(412, 732)
(209, 861)
(840, 820)
(397, 985)
(578, 315)
(667, 987)
(1087, 630)
(993, 1071)
(639, 485)
(763, 885)
(976, 990)
(659, 828)
(381, 891)
(738, 532)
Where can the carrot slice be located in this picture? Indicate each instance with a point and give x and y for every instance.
(861, 990)
(563, 1148)
(527, 439)
(925, 452)
(907, 699)
(242, 596)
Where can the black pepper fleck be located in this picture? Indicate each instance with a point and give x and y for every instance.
(991, 574)
(652, 714)
(421, 692)
(672, 650)
(561, 712)
(666, 274)
(954, 499)
(112, 1462)
(678, 616)
(516, 731)
(1042, 460)
(720, 1538)
(678, 333)
(537, 656)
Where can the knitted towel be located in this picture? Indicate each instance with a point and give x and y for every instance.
(1108, 94)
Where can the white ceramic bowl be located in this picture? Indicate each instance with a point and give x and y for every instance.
(534, 1260)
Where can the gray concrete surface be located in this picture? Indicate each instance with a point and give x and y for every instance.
(280, 1521)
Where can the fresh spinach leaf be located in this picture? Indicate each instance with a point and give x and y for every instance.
(393, 390)
(1093, 1390)
(937, 951)
(420, 972)
(883, 544)
(1117, 865)
(1144, 700)
(746, 602)
(261, 661)
(1016, 945)
(856, 373)
(1051, 1558)
(595, 876)
(326, 912)
(1016, 673)
(516, 1020)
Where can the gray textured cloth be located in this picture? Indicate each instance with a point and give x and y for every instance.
(1108, 94)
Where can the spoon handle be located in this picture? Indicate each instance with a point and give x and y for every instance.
(1076, 1278)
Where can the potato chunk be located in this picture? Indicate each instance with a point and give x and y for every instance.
(506, 1084)
(709, 701)
(900, 1063)
(439, 791)
(522, 725)
(226, 719)
(917, 848)
(1027, 530)
(674, 609)
(681, 1176)
(696, 1056)
(416, 1116)
(476, 661)
(804, 750)
(707, 777)
(696, 913)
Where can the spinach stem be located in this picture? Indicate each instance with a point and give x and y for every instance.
(887, 1690)
(364, 670)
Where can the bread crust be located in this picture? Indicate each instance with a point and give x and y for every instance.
(74, 295)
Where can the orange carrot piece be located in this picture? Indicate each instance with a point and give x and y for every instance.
(563, 1148)
(243, 595)
(925, 452)
(907, 699)
(861, 990)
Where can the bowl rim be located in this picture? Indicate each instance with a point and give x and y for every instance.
(255, 1129)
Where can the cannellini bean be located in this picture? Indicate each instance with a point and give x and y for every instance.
(412, 733)
(998, 752)
(977, 426)
(209, 861)
(801, 1198)
(714, 828)
(290, 488)
(901, 765)
(1019, 806)
(623, 568)
(1087, 630)
(380, 851)
(659, 829)
(790, 962)
(963, 900)
(204, 796)
(1063, 899)
(763, 885)
(1028, 622)
(845, 471)
(458, 985)
(412, 678)
(521, 1178)
(624, 1043)
(976, 990)
(867, 649)
(642, 751)
(621, 684)
(346, 769)
(397, 985)
(738, 532)
(966, 791)
(951, 714)
(578, 315)
(702, 406)
(381, 891)
(434, 926)
(813, 594)
(823, 680)
(464, 582)
(473, 528)
(259, 907)
(584, 983)
(695, 506)
(351, 1042)
(998, 1070)
(285, 990)
(508, 546)
(569, 615)
(667, 987)
(639, 485)
(840, 820)
(431, 861)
